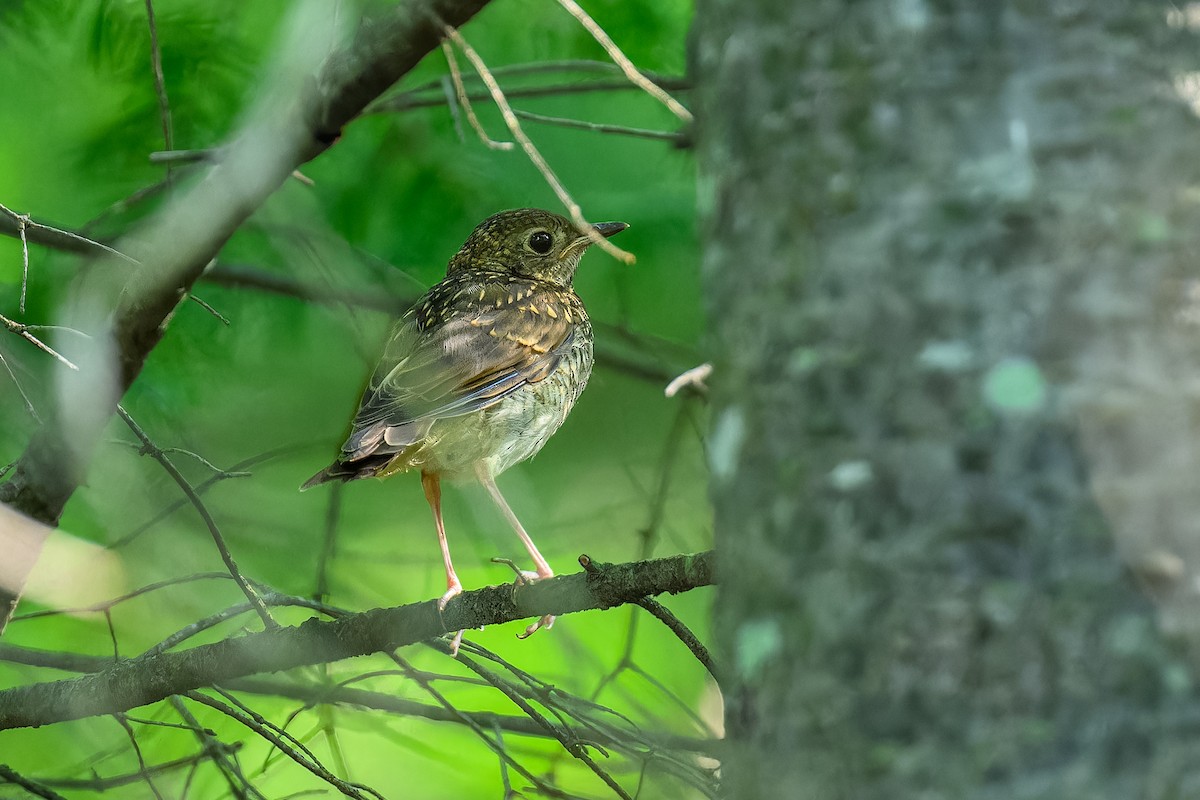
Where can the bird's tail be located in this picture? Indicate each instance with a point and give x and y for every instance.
(333, 472)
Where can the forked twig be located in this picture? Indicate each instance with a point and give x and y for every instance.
(514, 127)
(160, 85)
(22, 330)
(622, 61)
(460, 92)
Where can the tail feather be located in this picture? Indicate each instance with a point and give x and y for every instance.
(324, 476)
(339, 470)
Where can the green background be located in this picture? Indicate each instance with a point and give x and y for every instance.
(391, 201)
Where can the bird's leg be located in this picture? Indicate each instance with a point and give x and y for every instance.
(431, 483)
(543, 568)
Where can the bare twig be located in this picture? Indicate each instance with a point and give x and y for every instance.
(514, 127)
(311, 764)
(682, 631)
(572, 745)
(22, 330)
(329, 544)
(693, 379)
(137, 753)
(160, 86)
(24, 227)
(622, 61)
(418, 97)
(238, 470)
(9, 775)
(464, 102)
(108, 604)
(496, 746)
(221, 317)
(596, 127)
(219, 752)
(20, 389)
(158, 455)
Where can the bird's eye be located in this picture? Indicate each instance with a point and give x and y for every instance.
(541, 242)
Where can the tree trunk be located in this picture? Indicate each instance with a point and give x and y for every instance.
(949, 253)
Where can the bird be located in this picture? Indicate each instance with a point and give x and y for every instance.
(479, 373)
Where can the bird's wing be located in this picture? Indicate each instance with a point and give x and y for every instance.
(463, 347)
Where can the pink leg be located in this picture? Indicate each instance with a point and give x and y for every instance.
(489, 483)
(431, 483)
(543, 568)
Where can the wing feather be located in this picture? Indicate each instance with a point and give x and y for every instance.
(464, 347)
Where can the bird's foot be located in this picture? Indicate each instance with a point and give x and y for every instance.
(546, 622)
(454, 643)
(453, 590)
(524, 578)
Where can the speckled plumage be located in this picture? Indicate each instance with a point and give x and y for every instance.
(483, 369)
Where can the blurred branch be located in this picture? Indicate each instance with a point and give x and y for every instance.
(24, 227)
(654, 370)
(35, 789)
(130, 308)
(598, 127)
(422, 98)
(621, 60)
(130, 683)
(151, 449)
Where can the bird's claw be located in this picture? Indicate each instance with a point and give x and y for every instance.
(546, 622)
(453, 591)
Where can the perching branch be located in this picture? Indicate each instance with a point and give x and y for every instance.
(130, 683)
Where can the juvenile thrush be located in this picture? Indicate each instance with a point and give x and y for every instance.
(481, 371)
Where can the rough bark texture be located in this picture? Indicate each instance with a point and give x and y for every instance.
(940, 235)
(155, 676)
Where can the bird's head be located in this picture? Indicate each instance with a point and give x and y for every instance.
(528, 242)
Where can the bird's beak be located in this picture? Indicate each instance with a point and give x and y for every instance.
(607, 229)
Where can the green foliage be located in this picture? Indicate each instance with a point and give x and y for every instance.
(391, 201)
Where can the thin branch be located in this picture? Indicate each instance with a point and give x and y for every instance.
(329, 544)
(464, 102)
(20, 389)
(641, 366)
(569, 743)
(9, 775)
(26, 228)
(236, 471)
(219, 752)
(158, 455)
(514, 127)
(683, 632)
(109, 604)
(220, 317)
(419, 98)
(138, 681)
(98, 784)
(496, 746)
(597, 127)
(22, 330)
(622, 61)
(265, 732)
(137, 752)
(160, 85)
(561, 65)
